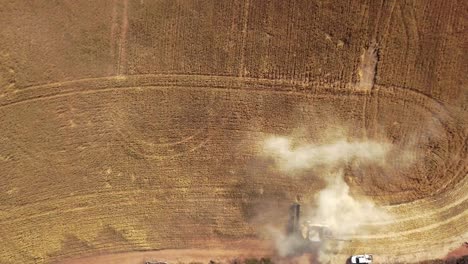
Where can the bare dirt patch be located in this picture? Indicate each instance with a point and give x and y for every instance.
(239, 251)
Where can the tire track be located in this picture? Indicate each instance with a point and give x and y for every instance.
(245, 85)
(113, 33)
(110, 196)
(389, 21)
(210, 83)
(245, 20)
(123, 40)
(462, 217)
(151, 155)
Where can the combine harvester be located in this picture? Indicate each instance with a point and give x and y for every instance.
(311, 237)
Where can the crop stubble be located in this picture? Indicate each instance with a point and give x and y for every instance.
(139, 131)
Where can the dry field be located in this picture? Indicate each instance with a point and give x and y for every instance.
(134, 125)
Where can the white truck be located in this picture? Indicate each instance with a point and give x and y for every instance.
(357, 259)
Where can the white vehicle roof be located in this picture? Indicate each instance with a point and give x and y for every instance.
(365, 258)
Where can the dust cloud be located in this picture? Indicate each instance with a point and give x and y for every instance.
(341, 212)
(326, 157)
(334, 207)
(286, 245)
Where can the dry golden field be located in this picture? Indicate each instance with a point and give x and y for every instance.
(134, 125)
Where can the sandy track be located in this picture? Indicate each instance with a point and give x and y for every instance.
(233, 250)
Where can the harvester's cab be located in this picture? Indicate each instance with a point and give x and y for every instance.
(316, 232)
(308, 231)
(310, 236)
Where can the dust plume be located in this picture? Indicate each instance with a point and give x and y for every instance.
(285, 245)
(328, 157)
(334, 206)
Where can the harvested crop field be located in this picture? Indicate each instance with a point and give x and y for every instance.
(129, 127)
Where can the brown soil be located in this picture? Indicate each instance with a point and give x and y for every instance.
(247, 249)
(134, 125)
(459, 252)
